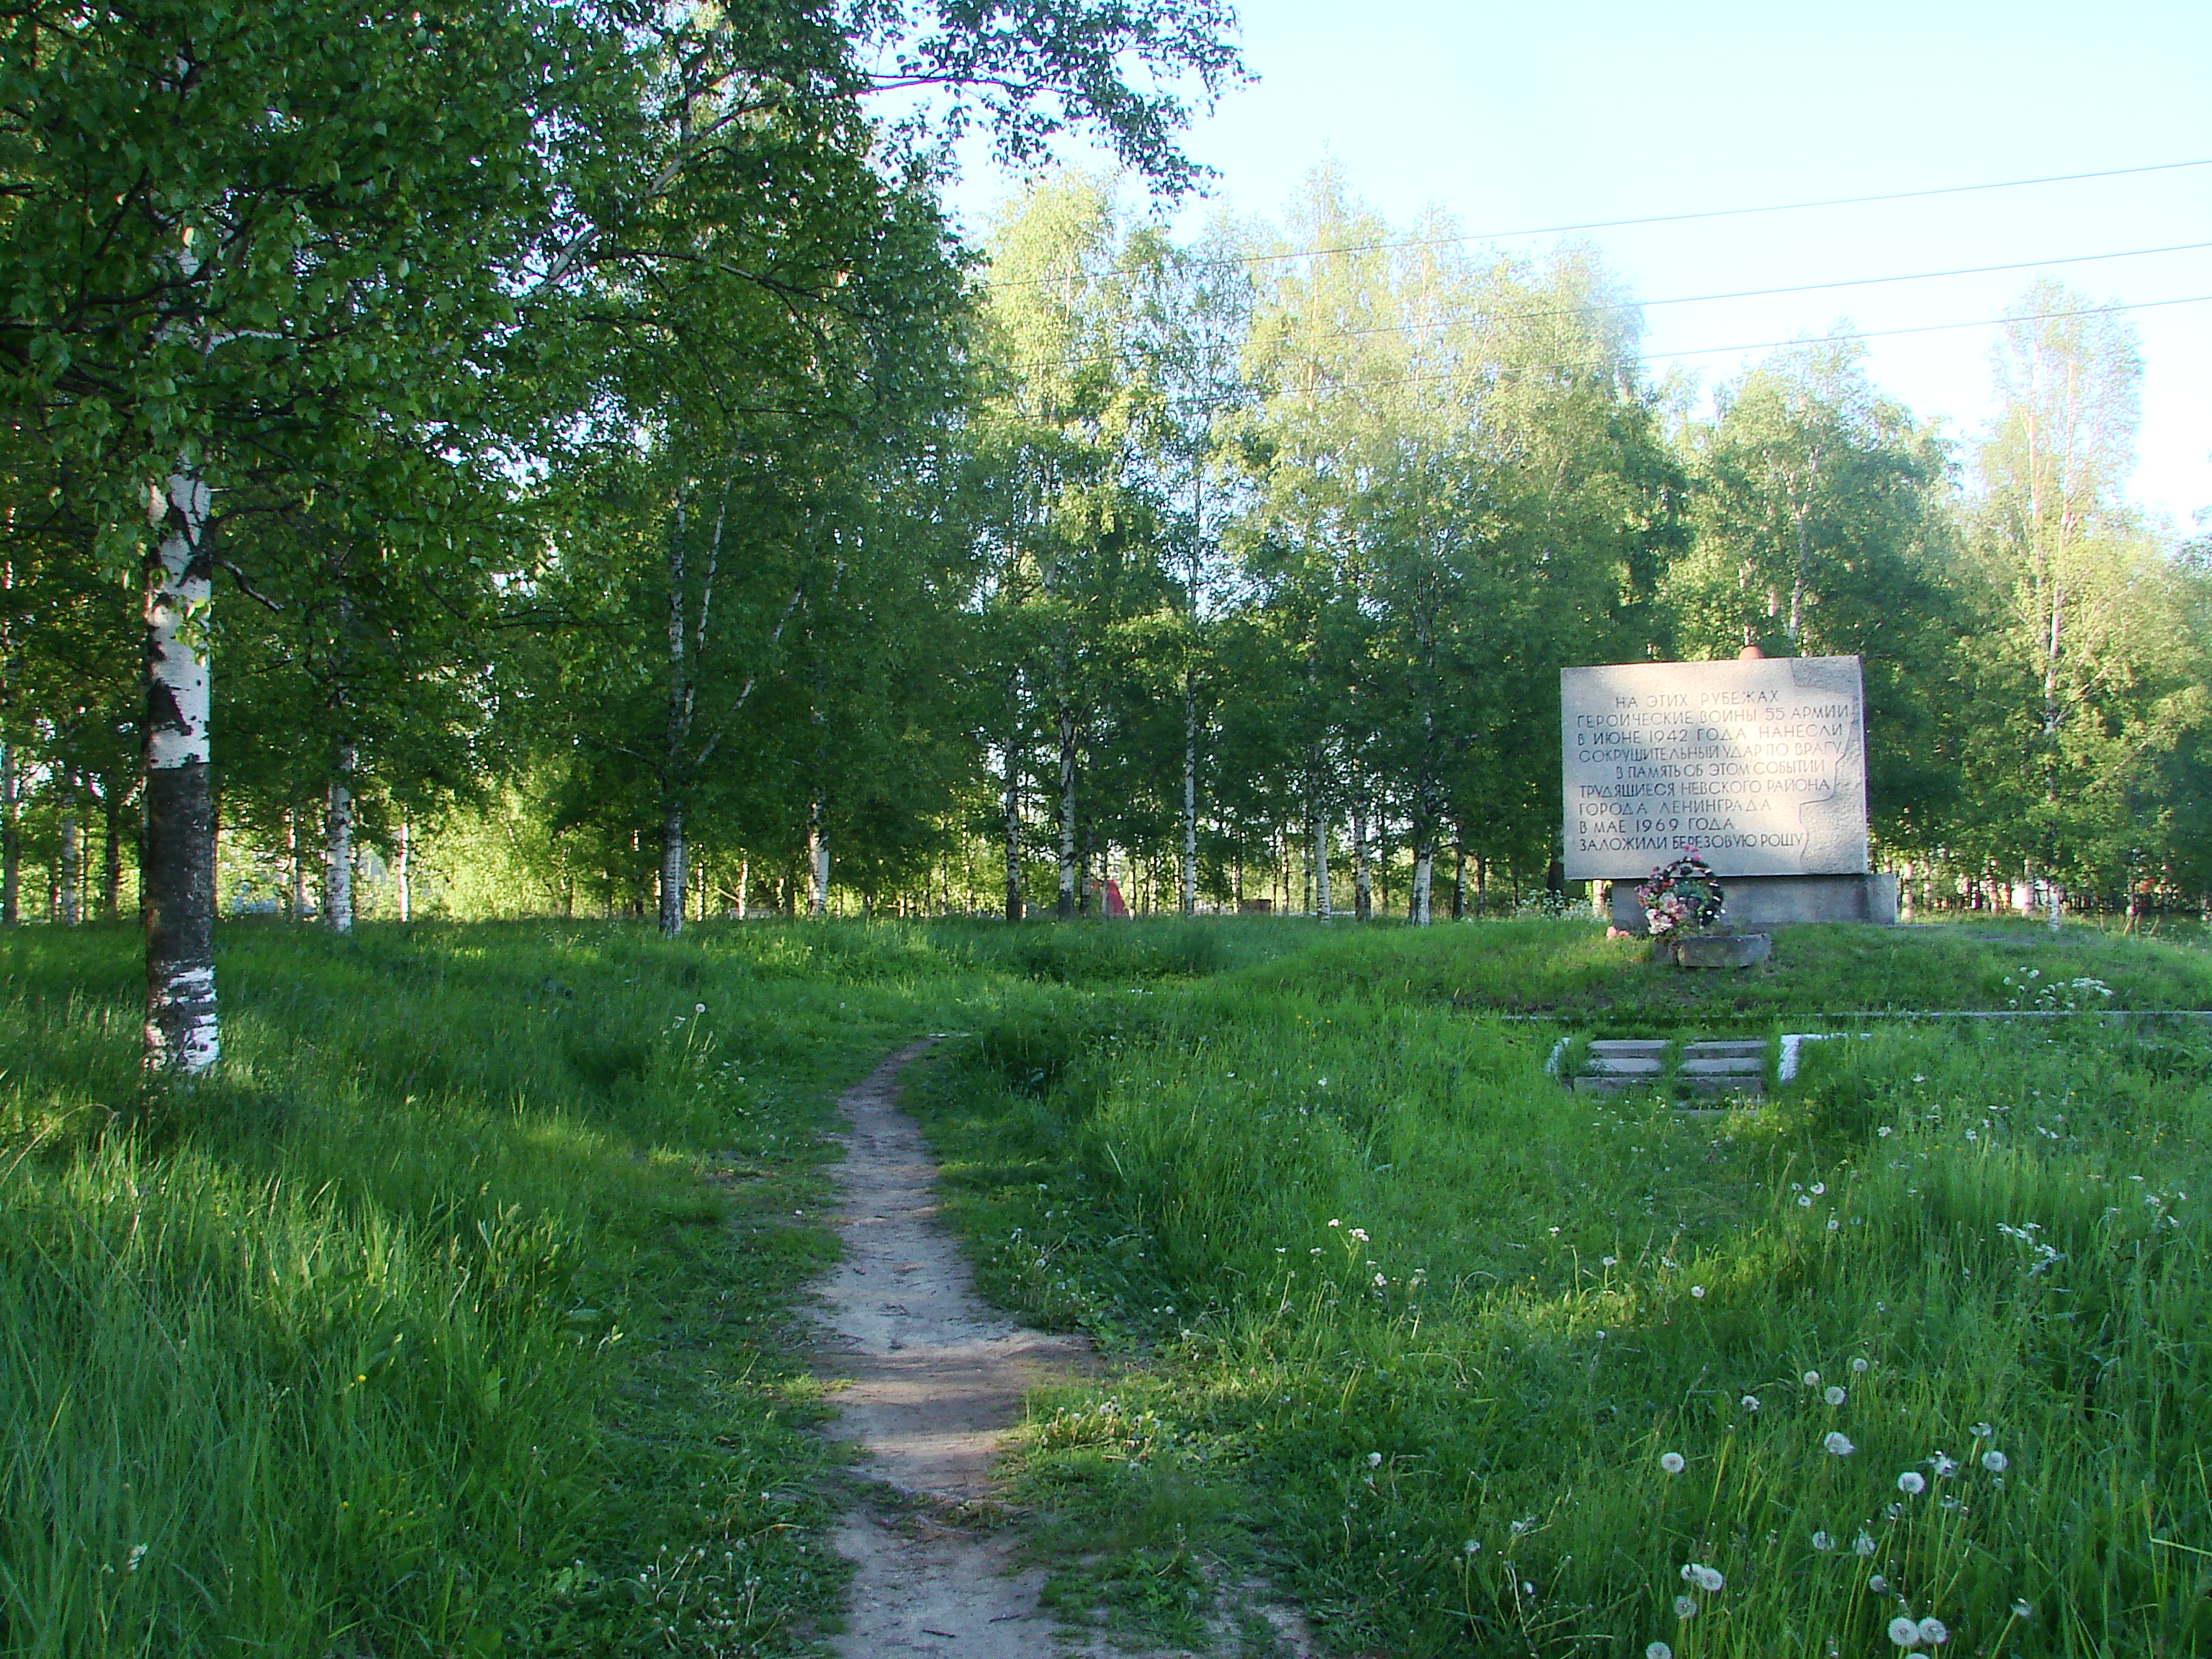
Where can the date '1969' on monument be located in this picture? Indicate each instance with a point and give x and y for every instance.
(1759, 764)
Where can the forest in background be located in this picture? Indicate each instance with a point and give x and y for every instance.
(587, 473)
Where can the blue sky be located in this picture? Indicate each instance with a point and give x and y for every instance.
(1512, 117)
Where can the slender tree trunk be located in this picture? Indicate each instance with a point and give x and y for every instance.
(111, 893)
(403, 850)
(337, 845)
(69, 863)
(817, 862)
(1321, 906)
(671, 873)
(299, 865)
(181, 1032)
(11, 840)
(1417, 907)
(1066, 905)
(744, 879)
(1363, 874)
(1459, 881)
(1013, 822)
(1188, 897)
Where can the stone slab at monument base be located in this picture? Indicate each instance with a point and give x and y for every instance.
(1761, 902)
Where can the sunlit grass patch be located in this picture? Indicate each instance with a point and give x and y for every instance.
(1498, 1368)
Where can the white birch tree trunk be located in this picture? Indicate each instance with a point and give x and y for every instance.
(745, 878)
(402, 850)
(299, 865)
(337, 845)
(11, 841)
(69, 873)
(1321, 908)
(1189, 894)
(818, 863)
(672, 872)
(1424, 871)
(181, 1035)
(1066, 906)
(1013, 819)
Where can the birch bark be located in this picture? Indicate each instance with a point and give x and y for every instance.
(1066, 905)
(337, 844)
(181, 1035)
(402, 874)
(69, 876)
(11, 841)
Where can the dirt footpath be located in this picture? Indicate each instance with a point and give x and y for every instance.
(937, 1378)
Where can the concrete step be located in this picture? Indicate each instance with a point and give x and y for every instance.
(1751, 1083)
(1629, 1047)
(1724, 1048)
(1608, 1065)
(1745, 1065)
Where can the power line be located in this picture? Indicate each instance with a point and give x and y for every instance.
(1648, 219)
(1699, 299)
(1746, 345)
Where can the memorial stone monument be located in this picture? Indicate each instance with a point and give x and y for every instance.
(1758, 763)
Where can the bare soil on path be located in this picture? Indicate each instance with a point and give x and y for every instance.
(937, 1377)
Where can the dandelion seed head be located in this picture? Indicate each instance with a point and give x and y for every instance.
(1473, 1547)
(1699, 1291)
(1685, 1607)
(1933, 1633)
(2022, 1608)
(1614, 1261)
(1751, 1402)
(1658, 1651)
(1834, 1396)
(1822, 1541)
(1905, 1632)
(1878, 1584)
(1945, 1467)
(1996, 1461)
(1375, 1459)
(1804, 1200)
(1859, 1366)
(1673, 1462)
(1837, 1443)
(698, 1007)
(1912, 1483)
(1820, 1189)
(1981, 1430)
(1812, 1379)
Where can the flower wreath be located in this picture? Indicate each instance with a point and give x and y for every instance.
(1684, 896)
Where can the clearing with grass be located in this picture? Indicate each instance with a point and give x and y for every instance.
(471, 1308)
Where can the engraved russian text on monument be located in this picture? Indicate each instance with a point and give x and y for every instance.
(1760, 765)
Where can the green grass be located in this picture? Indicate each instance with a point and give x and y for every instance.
(1446, 1436)
(455, 1316)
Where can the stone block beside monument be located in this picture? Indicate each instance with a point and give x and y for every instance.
(1759, 764)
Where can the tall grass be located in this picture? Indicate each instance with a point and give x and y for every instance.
(1442, 1330)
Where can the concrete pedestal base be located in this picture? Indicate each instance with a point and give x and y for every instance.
(1760, 901)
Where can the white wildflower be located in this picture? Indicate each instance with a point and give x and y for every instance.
(1860, 1365)
(1804, 1200)
(1933, 1632)
(1981, 1430)
(1945, 1467)
(1834, 1396)
(2023, 1609)
(1375, 1459)
(1911, 1483)
(1822, 1541)
(1658, 1651)
(1862, 1544)
(1996, 1461)
(1473, 1547)
(1820, 1189)
(1751, 1402)
(1359, 1233)
(1878, 1584)
(698, 1007)
(1837, 1443)
(1613, 1262)
(1812, 1379)
(1673, 1462)
(1699, 1291)
(1685, 1607)
(137, 1554)
(1904, 1632)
